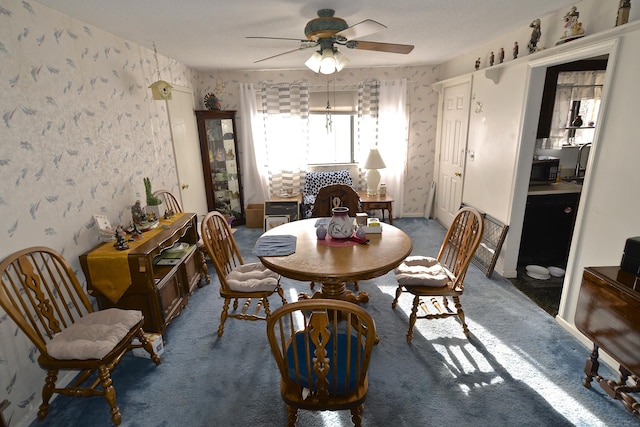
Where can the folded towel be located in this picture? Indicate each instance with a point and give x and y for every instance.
(275, 245)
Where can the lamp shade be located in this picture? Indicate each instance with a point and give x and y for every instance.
(313, 63)
(341, 60)
(374, 161)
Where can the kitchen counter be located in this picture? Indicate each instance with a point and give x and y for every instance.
(554, 188)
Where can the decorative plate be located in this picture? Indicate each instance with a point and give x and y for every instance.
(212, 102)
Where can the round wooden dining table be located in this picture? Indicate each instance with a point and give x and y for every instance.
(335, 262)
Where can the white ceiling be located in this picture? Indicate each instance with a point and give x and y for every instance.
(211, 34)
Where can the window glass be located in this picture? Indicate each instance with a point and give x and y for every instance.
(284, 150)
(331, 138)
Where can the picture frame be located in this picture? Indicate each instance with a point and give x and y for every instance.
(103, 223)
(273, 221)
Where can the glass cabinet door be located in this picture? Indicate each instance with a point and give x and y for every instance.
(219, 150)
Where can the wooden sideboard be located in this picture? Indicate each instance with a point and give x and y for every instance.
(607, 313)
(133, 279)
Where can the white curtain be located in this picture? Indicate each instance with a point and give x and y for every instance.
(285, 113)
(383, 122)
(367, 125)
(583, 86)
(393, 138)
(254, 171)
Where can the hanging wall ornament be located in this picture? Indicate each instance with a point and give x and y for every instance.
(160, 90)
(220, 86)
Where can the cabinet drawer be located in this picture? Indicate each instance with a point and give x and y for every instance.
(170, 296)
(377, 205)
(192, 269)
(282, 208)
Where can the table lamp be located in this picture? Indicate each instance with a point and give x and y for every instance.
(373, 163)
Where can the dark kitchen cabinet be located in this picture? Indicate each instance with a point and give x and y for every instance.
(220, 162)
(547, 229)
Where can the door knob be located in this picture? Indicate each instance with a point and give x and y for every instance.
(185, 186)
(457, 174)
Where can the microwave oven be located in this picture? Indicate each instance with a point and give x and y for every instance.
(544, 170)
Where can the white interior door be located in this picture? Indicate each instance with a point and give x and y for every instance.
(186, 149)
(453, 144)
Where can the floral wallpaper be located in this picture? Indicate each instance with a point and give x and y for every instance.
(80, 130)
(78, 133)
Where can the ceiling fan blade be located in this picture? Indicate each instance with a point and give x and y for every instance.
(380, 47)
(278, 38)
(361, 29)
(287, 52)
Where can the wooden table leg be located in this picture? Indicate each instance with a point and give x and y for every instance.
(338, 291)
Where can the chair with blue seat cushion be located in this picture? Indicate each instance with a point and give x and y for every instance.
(332, 196)
(322, 348)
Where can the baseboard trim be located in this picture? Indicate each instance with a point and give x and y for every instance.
(32, 415)
(588, 344)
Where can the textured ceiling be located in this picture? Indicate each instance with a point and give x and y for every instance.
(211, 34)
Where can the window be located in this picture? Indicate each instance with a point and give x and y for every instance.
(332, 143)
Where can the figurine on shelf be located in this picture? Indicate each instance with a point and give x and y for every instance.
(136, 234)
(477, 64)
(516, 48)
(491, 59)
(137, 213)
(501, 55)
(572, 27)
(121, 240)
(577, 122)
(623, 12)
(535, 36)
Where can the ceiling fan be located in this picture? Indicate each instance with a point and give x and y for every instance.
(327, 31)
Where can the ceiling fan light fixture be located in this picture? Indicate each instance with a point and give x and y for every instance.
(341, 60)
(328, 62)
(313, 63)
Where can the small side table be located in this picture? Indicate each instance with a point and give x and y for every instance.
(279, 205)
(370, 203)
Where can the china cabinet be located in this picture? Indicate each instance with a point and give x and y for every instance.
(219, 150)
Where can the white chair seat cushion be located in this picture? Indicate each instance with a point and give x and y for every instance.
(422, 271)
(94, 335)
(253, 277)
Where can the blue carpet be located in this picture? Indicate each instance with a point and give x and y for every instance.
(518, 368)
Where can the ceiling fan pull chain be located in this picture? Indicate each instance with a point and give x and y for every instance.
(329, 123)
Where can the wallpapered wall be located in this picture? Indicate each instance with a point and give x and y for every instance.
(422, 100)
(79, 131)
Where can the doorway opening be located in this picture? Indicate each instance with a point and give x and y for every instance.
(571, 91)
